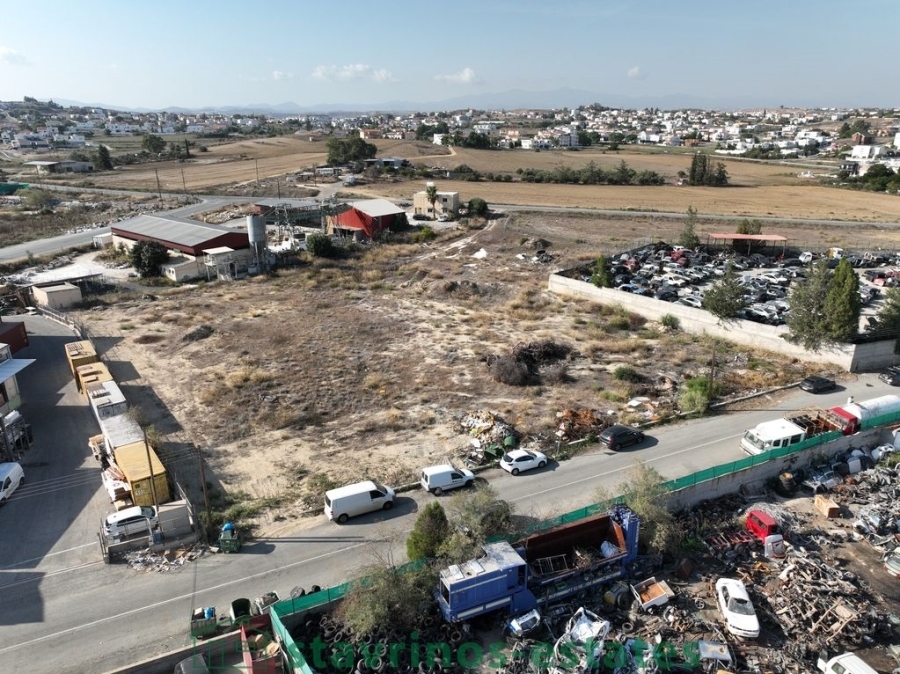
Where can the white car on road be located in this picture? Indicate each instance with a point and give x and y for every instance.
(520, 460)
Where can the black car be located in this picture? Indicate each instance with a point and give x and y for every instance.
(891, 376)
(621, 436)
(817, 384)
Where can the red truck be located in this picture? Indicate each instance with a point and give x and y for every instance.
(759, 527)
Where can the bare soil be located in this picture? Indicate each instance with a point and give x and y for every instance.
(336, 371)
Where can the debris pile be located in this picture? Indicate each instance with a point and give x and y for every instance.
(198, 333)
(581, 423)
(488, 428)
(523, 364)
(146, 560)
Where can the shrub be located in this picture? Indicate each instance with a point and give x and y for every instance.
(321, 245)
(507, 370)
(670, 322)
(626, 373)
(424, 234)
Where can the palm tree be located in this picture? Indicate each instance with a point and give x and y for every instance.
(431, 193)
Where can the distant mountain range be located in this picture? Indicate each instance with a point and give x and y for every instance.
(512, 99)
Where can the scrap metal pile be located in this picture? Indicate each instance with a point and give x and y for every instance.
(807, 602)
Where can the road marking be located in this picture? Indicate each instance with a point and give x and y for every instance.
(619, 470)
(49, 554)
(78, 628)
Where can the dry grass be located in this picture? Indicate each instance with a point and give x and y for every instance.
(759, 188)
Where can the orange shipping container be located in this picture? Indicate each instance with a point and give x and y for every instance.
(132, 461)
(80, 353)
(92, 373)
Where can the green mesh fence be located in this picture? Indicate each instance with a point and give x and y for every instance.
(310, 601)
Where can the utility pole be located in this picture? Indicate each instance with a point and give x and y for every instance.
(158, 188)
(152, 479)
(257, 170)
(183, 183)
(278, 182)
(205, 495)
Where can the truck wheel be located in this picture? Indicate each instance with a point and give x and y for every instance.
(342, 518)
(388, 505)
(437, 491)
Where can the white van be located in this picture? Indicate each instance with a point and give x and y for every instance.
(11, 476)
(357, 499)
(134, 520)
(848, 663)
(438, 479)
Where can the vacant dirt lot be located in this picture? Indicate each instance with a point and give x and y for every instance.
(339, 370)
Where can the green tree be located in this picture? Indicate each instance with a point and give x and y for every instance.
(103, 159)
(644, 491)
(746, 226)
(725, 299)
(806, 320)
(429, 532)
(386, 598)
(431, 194)
(623, 175)
(699, 169)
(688, 237)
(321, 245)
(602, 276)
(38, 200)
(153, 144)
(478, 206)
(842, 303)
(888, 319)
(147, 257)
(345, 150)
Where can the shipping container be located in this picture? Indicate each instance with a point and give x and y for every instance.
(132, 461)
(91, 373)
(120, 431)
(13, 335)
(80, 353)
(106, 399)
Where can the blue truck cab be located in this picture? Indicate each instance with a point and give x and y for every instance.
(542, 568)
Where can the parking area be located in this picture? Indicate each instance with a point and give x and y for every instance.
(682, 276)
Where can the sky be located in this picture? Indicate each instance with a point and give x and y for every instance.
(175, 53)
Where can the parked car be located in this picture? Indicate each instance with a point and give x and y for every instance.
(520, 460)
(134, 520)
(737, 609)
(666, 294)
(816, 384)
(891, 562)
(691, 301)
(438, 479)
(617, 436)
(891, 376)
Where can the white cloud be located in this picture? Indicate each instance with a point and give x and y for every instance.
(635, 73)
(281, 75)
(12, 57)
(464, 76)
(355, 71)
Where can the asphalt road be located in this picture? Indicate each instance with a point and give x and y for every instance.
(63, 242)
(63, 610)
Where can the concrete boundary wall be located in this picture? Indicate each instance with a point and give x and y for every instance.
(732, 482)
(698, 321)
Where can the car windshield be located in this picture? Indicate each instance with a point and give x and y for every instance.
(507, 458)
(753, 440)
(740, 606)
(381, 488)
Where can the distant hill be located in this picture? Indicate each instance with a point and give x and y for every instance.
(512, 99)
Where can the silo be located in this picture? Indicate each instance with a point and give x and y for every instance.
(256, 233)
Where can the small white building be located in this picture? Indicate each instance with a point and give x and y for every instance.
(58, 296)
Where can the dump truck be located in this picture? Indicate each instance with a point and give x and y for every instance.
(799, 426)
(541, 569)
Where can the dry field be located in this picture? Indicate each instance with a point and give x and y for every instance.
(336, 371)
(759, 189)
(339, 370)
